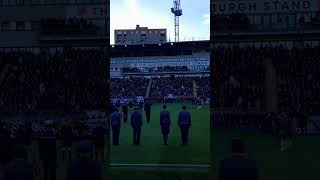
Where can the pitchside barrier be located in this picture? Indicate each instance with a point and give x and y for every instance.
(314, 125)
(255, 119)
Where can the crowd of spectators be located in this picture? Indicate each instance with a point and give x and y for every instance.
(131, 70)
(173, 69)
(240, 77)
(161, 87)
(128, 87)
(203, 86)
(70, 25)
(53, 138)
(179, 87)
(162, 69)
(298, 80)
(69, 80)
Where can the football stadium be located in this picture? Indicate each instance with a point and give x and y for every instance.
(53, 64)
(265, 89)
(171, 74)
(159, 89)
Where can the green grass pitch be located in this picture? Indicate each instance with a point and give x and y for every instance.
(152, 149)
(300, 162)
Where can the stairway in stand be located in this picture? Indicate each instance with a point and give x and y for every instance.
(195, 94)
(4, 72)
(148, 89)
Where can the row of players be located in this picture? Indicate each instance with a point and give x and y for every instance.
(184, 122)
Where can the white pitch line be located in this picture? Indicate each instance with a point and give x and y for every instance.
(160, 165)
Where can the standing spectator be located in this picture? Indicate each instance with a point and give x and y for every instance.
(238, 166)
(84, 168)
(19, 168)
(99, 134)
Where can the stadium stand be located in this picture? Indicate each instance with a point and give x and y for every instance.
(67, 26)
(52, 81)
(181, 87)
(128, 87)
(243, 81)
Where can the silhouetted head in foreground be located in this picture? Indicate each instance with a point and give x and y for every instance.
(20, 151)
(84, 148)
(184, 107)
(164, 106)
(238, 146)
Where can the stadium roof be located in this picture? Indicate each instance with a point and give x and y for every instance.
(163, 49)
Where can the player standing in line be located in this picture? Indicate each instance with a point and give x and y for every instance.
(165, 123)
(136, 123)
(184, 122)
(116, 125)
(199, 103)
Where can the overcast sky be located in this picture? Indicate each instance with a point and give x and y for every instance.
(194, 23)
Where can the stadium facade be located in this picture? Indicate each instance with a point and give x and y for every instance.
(140, 35)
(35, 23)
(247, 20)
(271, 34)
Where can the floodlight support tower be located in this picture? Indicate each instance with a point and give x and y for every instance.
(177, 11)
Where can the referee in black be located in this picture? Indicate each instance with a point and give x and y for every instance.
(147, 109)
(47, 151)
(125, 112)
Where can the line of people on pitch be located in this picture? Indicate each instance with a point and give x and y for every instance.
(184, 122)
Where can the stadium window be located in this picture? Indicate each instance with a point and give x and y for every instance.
(5, 2)
(35, 25)
(20, 2)
(5, 26)
(12, 2)
(27, 2)
(34, 2)
(20, 26)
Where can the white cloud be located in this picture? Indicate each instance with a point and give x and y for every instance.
(206, 19)
(129, 14)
